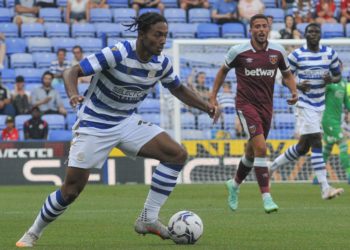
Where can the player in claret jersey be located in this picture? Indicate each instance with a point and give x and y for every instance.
(256, 63)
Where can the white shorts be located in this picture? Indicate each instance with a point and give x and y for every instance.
(25, 19)
(308, 121)
(90, 151)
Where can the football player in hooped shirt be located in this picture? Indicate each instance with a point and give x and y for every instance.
(256, 63)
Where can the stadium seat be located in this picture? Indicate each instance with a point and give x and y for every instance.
(153, 118)
(31, 75)
(205, 122)
(192, 134)
(146, 10)
(82, 88)
(56, 29)
(5, 15)
(199, 15)
(9, 29)
(15, 45)
(8, 76)
(229, 121)
(43, 60)
(233, 30)
(39, 44)
(10, 3)
(270, 3)
(61, 90)
(284, 120)
(2, 4)
(20, 120)
(98, 15)
(63, 42)
(32, 29)
(90, 45)
(280, 105)
(170, 4)
(188, 121)
(149, 106)
(208, 30)
(301, 28)
(30, 87)
(2, 121)
(50, 14)
(108, 29)
(55, 121)
(277, 13)
(122, 15)
(62, 3)
(22, 60)
(83, 30)
(128, 33)
(175, 15)
(112, 41)
(332, 30)
(118, 3)
(71, 119)
(60, 135)
(347, 29)
(182, 30)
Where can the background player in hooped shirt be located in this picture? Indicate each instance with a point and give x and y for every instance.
(256, 63)
(124, 75)
(316, 66)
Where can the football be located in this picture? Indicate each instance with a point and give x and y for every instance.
(185, 227)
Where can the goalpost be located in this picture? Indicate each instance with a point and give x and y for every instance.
(214, 152)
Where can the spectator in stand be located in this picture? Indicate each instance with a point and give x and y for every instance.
(46, 3)
(189, 4)
(99, 4)
(35, 128)
(325, 10)
(78, 11)
(46, 98)
(273, 34)
(20, 97)
(224, 11)
(290, 31)
(10, 133)
(2, 50)
(140, 4)
(78, 56)
(249, 8)
(26, 12)
(58, 66)
(199, 85)
(287, 4)
(303, 11)
(6, 107)
(345, 11)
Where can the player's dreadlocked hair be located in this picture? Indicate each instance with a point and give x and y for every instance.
(145, 21)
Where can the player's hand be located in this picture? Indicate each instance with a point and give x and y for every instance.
(304, 86)
(75, 100)
(293, 99)
(214, 112)
(327, 78)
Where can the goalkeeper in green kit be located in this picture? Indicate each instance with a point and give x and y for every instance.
(337, 96)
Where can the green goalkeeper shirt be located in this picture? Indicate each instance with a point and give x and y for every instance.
(337, 94)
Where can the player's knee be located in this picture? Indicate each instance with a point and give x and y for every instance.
(70, 194)
(181, 156)
(260, 150)
(302, 149)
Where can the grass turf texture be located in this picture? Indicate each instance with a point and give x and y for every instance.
(103, 218)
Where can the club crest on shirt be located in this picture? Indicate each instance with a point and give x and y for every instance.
(273, 59)
(249, 60)
(252, 129)
(114, 49)
(152, 73)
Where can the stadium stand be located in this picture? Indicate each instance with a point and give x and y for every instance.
(39, 44)
(60, 135)
(32, 30)
(175, 15)
(208, 30)
(50, 14)
(83, 30)
(55, 121)
(100, 15)
(22, 60)
(56, 29)
(15, 45)
(199, 15)
(9, 29)
(20, 120)
(123, 14)
(233, 30)
(118, 3)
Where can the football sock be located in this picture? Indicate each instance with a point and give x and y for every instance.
(53, 207)
(290, 155)
(319, 167)
(244, 168)
(262, 174)
(327, 149)
(163, 182)
(344, 157)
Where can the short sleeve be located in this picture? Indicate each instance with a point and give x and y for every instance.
(169, 79)
(231, 56)
(335, 67)
(292, 58)
(283, 63)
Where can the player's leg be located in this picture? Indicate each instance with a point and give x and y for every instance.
(344, 157)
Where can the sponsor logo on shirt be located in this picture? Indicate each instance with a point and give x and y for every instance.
(259, 72)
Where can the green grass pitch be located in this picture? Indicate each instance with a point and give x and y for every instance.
(103, 218)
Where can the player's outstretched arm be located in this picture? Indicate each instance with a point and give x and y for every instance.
(190, 98)
(219, 80)
(70, 77)
(289, 81)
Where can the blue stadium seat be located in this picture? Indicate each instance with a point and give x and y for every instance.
(347, 30)
(146, 10)
(90, 45)
(112, 41)
(284, 120)
(67, 105)
(62, 3)
(301, 28)
(32, 86)
(208, 30)
(8, 76)
(5, 15)
(15, 45)
(71, 118)
(108, 29)
(56, 29)
(50, 14)
(175, 15)
(270, 3)
(275, 134)
(128, 33)
(280, 105)
(118, 3)
(192, 134)
(170, 4)
(60, 135)
(183, 30)
(229, 121)
(61, 90)
(63, 42)
(32, 29)
(122, 15)
(2, 4)
(98, 15)
(39, 44)
(22, 60)
(3, 121)
(31, 75)
(149, 106)
(43, 60)
(55, 121)
(9, 29)
(153, 118)
(277, 13)
(82, 88)
(199, 15)
(20, 120)
(10, 3)
(205, 122)
(83, 30)
(233, 30)
(332, 30)
(188, 121)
